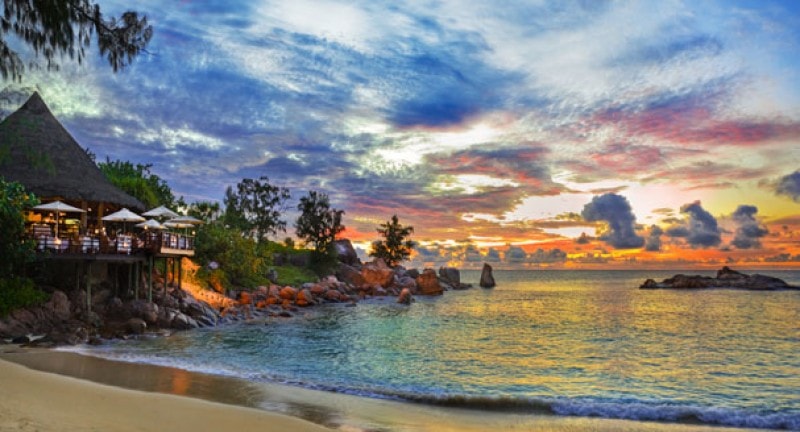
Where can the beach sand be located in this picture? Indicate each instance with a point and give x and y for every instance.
(33, 399)
(37, 401)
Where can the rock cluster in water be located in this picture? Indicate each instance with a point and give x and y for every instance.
(726, 278)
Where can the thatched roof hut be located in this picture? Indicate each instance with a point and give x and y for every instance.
(38, 152)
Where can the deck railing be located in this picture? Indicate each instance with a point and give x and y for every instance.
(122, 244)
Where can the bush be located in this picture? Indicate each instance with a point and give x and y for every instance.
(239, 261)
(18, 293)
(294, 276)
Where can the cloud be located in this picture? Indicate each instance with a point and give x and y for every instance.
(616, 210)
(748, 231)
(653, 241)
(515, 255)
(541, 256)
(492, 255)
(789, 185)
(584, 239)
(700, 230)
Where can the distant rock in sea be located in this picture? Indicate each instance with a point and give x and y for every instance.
(487, 278)
(726, 278)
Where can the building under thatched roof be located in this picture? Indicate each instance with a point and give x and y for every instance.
(38, 152)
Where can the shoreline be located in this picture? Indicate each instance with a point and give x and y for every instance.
(35, 400)
(237, 400)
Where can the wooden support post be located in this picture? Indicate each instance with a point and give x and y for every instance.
(116, 280)
(136, 278)
(150, 260)
(180, 273)
(88, 289)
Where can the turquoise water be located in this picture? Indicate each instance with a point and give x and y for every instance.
(578, 343)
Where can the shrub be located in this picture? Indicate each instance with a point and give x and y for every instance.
(17, 293)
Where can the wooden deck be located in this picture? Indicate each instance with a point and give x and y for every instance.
(124, 248)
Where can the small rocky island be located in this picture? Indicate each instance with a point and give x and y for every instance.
(726, 278)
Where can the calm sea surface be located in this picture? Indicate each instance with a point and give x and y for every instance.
(579, 343)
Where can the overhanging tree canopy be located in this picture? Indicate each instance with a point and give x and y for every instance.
(53, 29)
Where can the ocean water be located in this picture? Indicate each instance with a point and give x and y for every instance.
(568, 343)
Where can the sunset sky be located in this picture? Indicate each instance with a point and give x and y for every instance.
(571, 134)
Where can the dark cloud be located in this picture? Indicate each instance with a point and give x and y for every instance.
(677, 230)
(515, 255)
(552, 256)
(700, 229)
(784, 257)
(653, 241)
(615, 210)
(492, 255)
(748, 231)
(584, 239)
(789, 185)
(442, 88)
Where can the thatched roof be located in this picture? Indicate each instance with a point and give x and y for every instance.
(38, 152)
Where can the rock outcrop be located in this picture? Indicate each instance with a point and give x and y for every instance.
(377, 273)
(428, 283)
(451, 278)
(487, 278)
(726, 278)
(346, 253)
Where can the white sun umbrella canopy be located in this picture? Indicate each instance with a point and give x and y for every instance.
(123, 216)
(151, 224)
(160, 211)
(186, 220)
(58, 207)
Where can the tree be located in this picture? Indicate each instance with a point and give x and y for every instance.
(55, 28)
(318, 223)
(206, 211)
(255, 208)
(14, 248)
(139, 182)
(395, 248)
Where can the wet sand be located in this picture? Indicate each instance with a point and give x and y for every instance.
(44, 402)
(116, 396)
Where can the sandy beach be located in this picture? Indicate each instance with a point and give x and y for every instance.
(38, 401)
(45, 390)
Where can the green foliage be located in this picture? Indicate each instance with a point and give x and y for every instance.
(206, 211)
(17, 293)
(239, 262)
(53, 29)
(394, 248)
(318, 223)
(294, 276)
(255, 208)
(139, 182)
(15, 249)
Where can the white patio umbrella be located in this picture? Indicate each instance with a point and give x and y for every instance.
(160, 211)
(58, 207)
(123, 216)
(186, 220)
(151, 224)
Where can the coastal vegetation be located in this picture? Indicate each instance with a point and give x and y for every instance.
(319, 224)
(16, 290)
(255, 208)
(395, 246)
(139, 182)
(53, 30)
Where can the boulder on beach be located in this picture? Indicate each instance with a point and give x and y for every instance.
(346, 253)
(405, 297)
(487, 278)
(428, 283)
(726, 278)
(377, 273)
